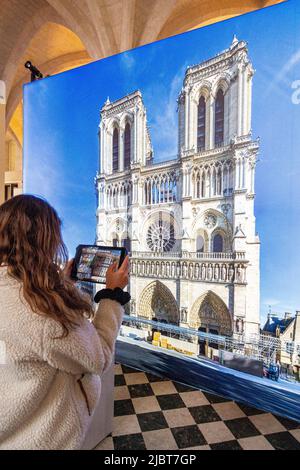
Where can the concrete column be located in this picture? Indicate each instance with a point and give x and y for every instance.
(252, 167)
(141, 193)
(186, 121)
(189, 182)
(132, 142)
(245, 103)
(193, 115)
(100, 196)
(211, 129)
(121, 149)
(249, 86)
(100, 133)
(226, 116)
(2, 138)
(144, 134)
(135, 137)
(184, 182)
(107, 154)
(207, 123)
(240, 101)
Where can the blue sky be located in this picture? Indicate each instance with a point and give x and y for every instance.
(61, 117)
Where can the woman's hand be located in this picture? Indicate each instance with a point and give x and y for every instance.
(118, 277)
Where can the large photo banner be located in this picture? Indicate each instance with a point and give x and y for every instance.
(186, 153)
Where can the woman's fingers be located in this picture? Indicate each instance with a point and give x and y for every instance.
(112, 267)
(118, 277)
(125, 265)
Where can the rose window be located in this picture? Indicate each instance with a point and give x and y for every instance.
(160, 236)
(210, 221)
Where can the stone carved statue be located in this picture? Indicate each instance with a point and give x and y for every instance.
(239, 325)
(173, 269)
(157, 271)
(132, 307)
(239, 273)
(231, 273)
(147, 268)
(183, 314)
(217, 272)
(207, 312)
(209, 272)
(132, 268)
(168, 269)
(184, 270)
(224, 272)
(152, 268)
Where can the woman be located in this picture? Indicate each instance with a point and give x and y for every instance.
(56, 347)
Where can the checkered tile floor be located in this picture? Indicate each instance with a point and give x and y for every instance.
(157, 414)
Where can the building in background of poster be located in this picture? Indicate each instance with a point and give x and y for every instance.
(189, 223)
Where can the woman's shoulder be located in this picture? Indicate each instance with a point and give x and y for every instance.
(6, 278)
(14, 309)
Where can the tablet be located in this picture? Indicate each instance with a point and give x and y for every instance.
(91, 262)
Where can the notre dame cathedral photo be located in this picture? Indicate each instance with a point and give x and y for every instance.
(187, 222)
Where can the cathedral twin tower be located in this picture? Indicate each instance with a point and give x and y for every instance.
(189, 222)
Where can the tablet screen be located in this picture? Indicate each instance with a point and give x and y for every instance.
(94, 261)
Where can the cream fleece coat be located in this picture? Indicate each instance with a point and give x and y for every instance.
(49, 387)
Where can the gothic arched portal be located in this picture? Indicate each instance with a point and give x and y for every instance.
(158, 301)
(209, 311)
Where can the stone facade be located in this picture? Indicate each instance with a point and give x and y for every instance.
(189, 223)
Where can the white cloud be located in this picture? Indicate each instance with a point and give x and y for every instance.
(164, 127)
(127, 60)
(282, 76)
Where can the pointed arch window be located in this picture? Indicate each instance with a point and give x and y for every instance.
(201, 124)
(200, 244)
(127, 146)
(218, 243)
(219, 118)
(115, 155)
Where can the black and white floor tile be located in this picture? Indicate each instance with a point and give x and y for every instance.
(157, 414)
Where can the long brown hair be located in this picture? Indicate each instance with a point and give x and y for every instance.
(31, 246)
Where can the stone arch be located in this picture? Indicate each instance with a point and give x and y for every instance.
(44, 18)
(47, 14)
(127, 117)
(112, 124)
(201, 89)
(66, 61)
(200, 232)
(158, 301)
(182, 18)
(209, 310)
(222, 83)
(221, 222)
(225, 236)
